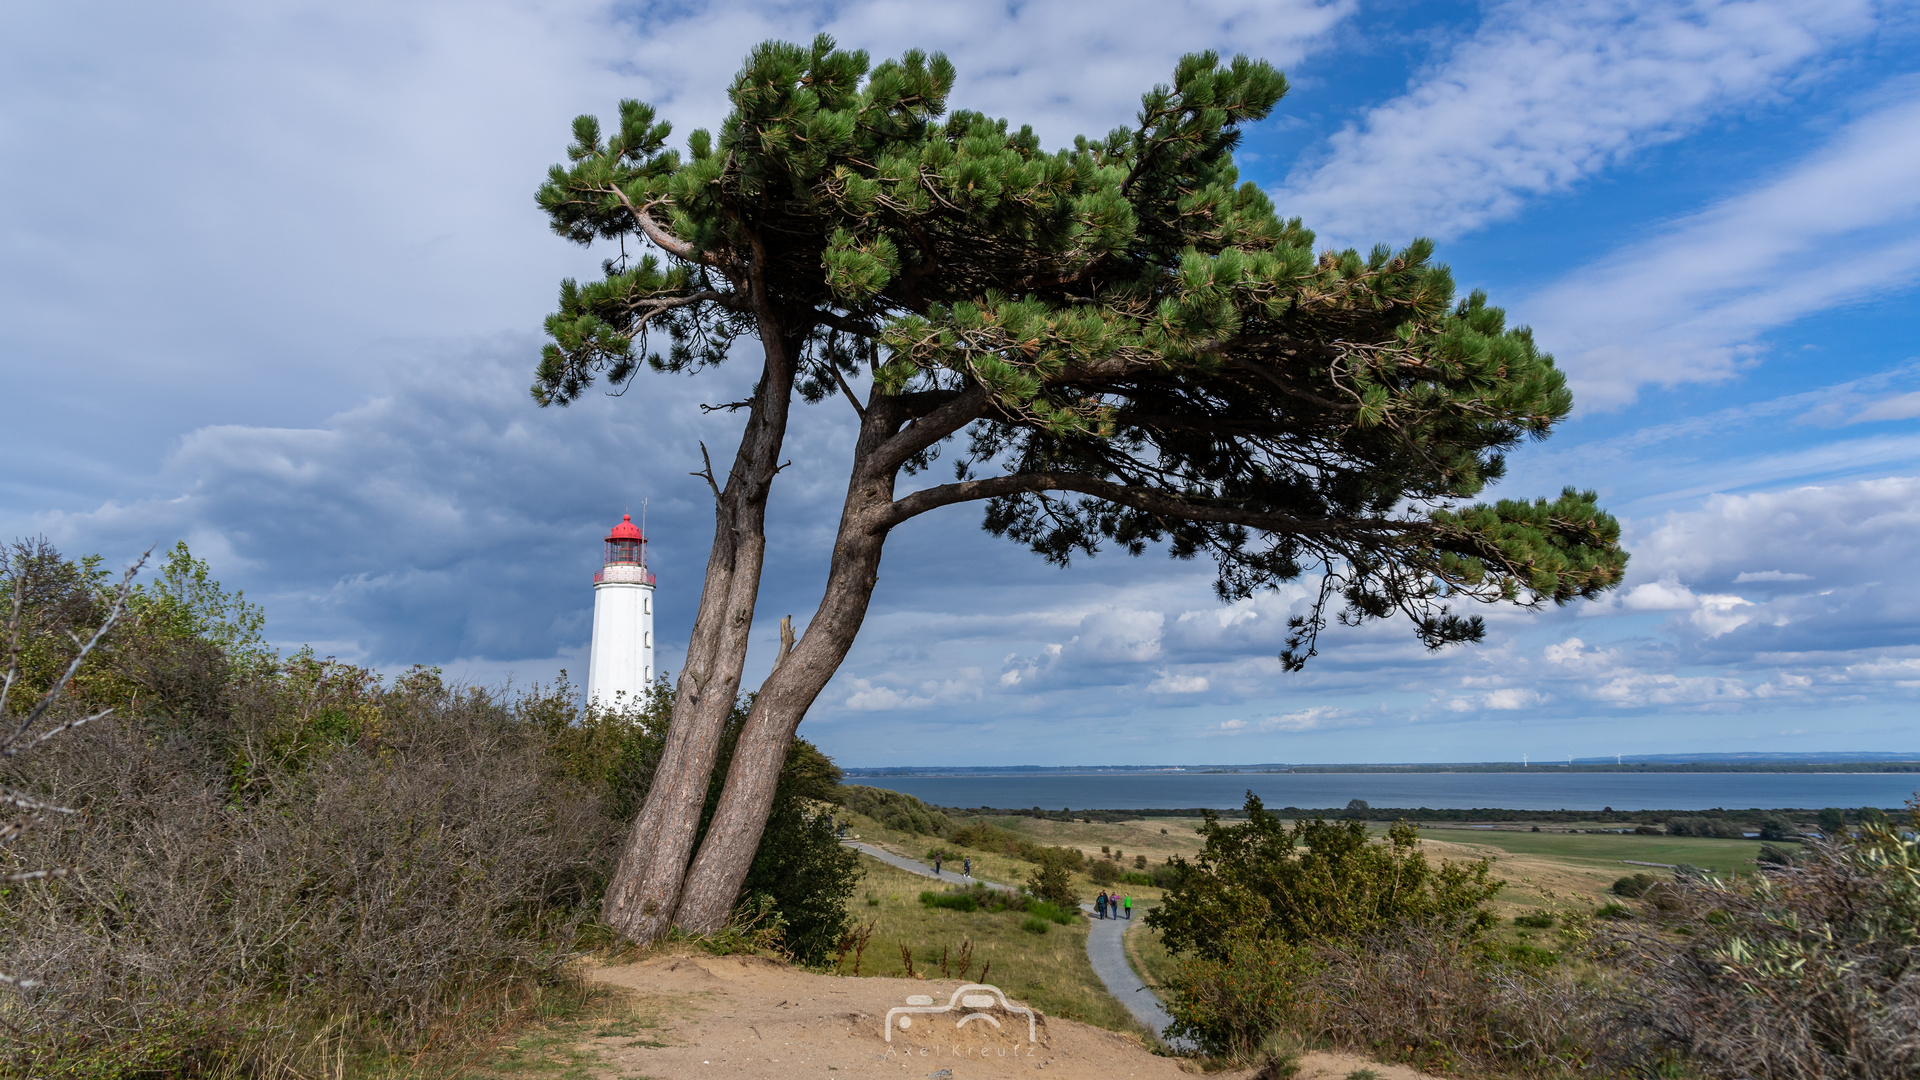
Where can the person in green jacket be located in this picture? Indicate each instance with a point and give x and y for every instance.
(1127, 903)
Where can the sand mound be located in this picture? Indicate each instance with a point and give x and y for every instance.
(751, 1017)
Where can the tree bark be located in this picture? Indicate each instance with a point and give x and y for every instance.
(646, 886)
(726, 855)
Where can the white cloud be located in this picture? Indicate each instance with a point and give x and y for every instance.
(1691, 303)
(1769, 575)
(1179, 684)
(1545, 95)
(1047, 63)
(1512, 698)
(1312, 719)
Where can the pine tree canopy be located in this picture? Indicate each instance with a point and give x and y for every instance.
(1117, 342)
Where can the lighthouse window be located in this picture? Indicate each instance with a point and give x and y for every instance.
(646, 605)
(649, 640)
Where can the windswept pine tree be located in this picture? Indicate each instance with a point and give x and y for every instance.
(1117, 343)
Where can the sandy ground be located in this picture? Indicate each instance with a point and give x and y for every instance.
(750, 1017)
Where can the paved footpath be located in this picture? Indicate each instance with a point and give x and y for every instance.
(912, 866)
(1105, 949)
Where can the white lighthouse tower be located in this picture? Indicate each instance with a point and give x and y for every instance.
(620, 663)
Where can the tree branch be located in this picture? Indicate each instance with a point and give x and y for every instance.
(1151, 502)
(707, 473)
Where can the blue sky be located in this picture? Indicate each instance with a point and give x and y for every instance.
(271, 281)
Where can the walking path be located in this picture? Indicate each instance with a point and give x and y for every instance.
(1105, 948)
(913, 866)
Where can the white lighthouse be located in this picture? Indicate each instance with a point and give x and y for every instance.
(620, 663)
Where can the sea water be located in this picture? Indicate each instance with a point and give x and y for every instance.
(1531, 790)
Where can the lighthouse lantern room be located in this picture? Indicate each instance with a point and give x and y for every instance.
(620, 661)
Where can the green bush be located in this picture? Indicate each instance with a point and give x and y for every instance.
(1538, 920)
(1315, 881)
(1065, 914)
(962, 901)
(1104, 872)
(1634, 885)
(1033, 924)
(1614, 911)
(1702, 826)
(1229, 1003)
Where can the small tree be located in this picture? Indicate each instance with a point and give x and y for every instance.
(1136, 347)
(1264, 881)
(1052, 880)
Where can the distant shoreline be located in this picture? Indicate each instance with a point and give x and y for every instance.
(1853, 767)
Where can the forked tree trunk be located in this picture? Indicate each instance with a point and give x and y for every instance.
(726, 855)
(646, 884)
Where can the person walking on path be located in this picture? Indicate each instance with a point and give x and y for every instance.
(968, 872)
(936, 864)
(1100, 904)
(1127, 903)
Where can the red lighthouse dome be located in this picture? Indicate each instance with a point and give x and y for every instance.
(626, 545)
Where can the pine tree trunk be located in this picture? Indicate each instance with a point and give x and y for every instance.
(726, 855)
(646, 885)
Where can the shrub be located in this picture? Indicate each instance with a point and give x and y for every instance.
(1538, 920)
(1103, 873)
(962, 901)
(1811, 969)
(290, 846)
(1634, 885)
(1315, 881)
(1614, 911)
(1049, 881)
(1697, 825)
(1775, 829)
(895, 810)
(1033, 924)
(1064, 914)
(983, 837)
(1228, 1004)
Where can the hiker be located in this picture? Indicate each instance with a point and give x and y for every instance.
(1128, 905)
(1100, 904)
(936, 864)
(968, 871)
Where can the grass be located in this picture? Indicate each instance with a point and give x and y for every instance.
(1048, 970)
(1607, 851)
(569, 1047)
(1149, 956)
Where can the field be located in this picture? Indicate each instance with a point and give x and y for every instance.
(1607, 851)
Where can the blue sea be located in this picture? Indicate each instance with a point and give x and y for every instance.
(1541, 790)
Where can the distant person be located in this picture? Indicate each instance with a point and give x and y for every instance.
(967, 870)
(1100, 904)
(1127, 903)
(936, 865)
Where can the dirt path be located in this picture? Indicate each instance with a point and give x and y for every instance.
(711, 1016)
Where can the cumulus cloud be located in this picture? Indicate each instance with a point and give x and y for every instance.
(1545, 95)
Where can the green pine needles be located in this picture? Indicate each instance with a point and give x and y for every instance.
(1138, 348)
